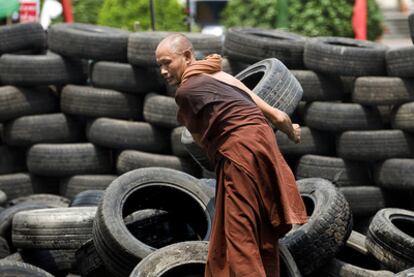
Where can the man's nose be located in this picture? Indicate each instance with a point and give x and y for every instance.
(164, 72)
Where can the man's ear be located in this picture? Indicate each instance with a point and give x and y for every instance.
(188, 55)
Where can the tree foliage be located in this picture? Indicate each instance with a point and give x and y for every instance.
(308, 17)
(169, 14)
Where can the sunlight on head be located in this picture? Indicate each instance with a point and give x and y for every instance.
(177, 43)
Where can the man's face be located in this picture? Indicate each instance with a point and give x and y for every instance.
(172, 64)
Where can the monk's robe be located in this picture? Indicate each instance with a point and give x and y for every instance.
(257, 199)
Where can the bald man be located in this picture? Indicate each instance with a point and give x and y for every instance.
(257, 199)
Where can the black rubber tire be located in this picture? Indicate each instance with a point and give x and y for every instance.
(73, 185)
(252, 45)
(396, 174)
(160, 110)
(87, 198)
(68, 159)
(402, 117)
(391, 239)
(55, 228)
(3, 198)
(142, 46)
(89, 262)
(311, 142)
(345, 56)
(38, 70)
(383, 91)
(197, 152)
(400, 62)
(338, 117)
(411, 25)
(177, 147)
(106, 103)
(274, 83)
(16, 185)
(45, 128)
(18, 101)
(132, 159)
(11, 160)
(126, 78)
(49, 200)
(18, 37)
(319, 87)
(6, 217)
(340, 172)
(89, 41)
(330, 223)
(4, 248)
(122, 134)
(375, 145)
(173, 259)
(365, 200)
(145, 188)
(20, 269)
(406, 273)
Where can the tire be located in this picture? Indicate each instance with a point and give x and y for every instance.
(177, 147)
(57, 262)
(395, 174)
(311, 142)
(38, 70)
(89, 262)
(55, 228)
(406, 273)
(89, 41)
(197, 152)
(177, 192)
(49, 200)
(411, 25)
(345, 56)
(274, 83)
(20, 269)
(319, 87)
(11, 160)
(252, 45)
(131, 159)
(338, 117)
(107, 103)
(18, 37)
(340, 172)
(3, 198)
(6, 217)
(68, 159)
(390, 238)
(87, 198)
(122, 134)
(402, 117)
(16, 185)
(142, 46)
(160, 110)
(373, 91)
(176, 259)
(374, 145)
(330, 223)
(365, 200)
(4, 248)
(400, 62)
(46, 128)
(19, 101)
(71, 186)
(126, 78)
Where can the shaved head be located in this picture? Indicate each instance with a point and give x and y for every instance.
(177, 43)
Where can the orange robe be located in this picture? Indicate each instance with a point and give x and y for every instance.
(257, 199)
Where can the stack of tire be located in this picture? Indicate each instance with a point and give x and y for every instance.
(356, 131)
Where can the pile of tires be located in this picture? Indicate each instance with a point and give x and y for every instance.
(97, 177)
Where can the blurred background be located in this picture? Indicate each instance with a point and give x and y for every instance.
(386, 19)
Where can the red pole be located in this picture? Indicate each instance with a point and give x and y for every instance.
(67, 11)
(359, 20)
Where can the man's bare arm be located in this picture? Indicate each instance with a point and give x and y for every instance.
(278, 118)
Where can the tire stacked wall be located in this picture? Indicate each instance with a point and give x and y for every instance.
(87, 104)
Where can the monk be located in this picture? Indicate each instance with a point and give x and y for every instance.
(257, 199)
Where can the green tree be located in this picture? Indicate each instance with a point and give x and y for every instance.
(84, 11)
(308, 17)
(169, 14)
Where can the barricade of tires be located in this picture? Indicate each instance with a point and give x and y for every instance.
(97, 178)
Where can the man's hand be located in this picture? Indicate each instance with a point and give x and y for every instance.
(283, 123)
